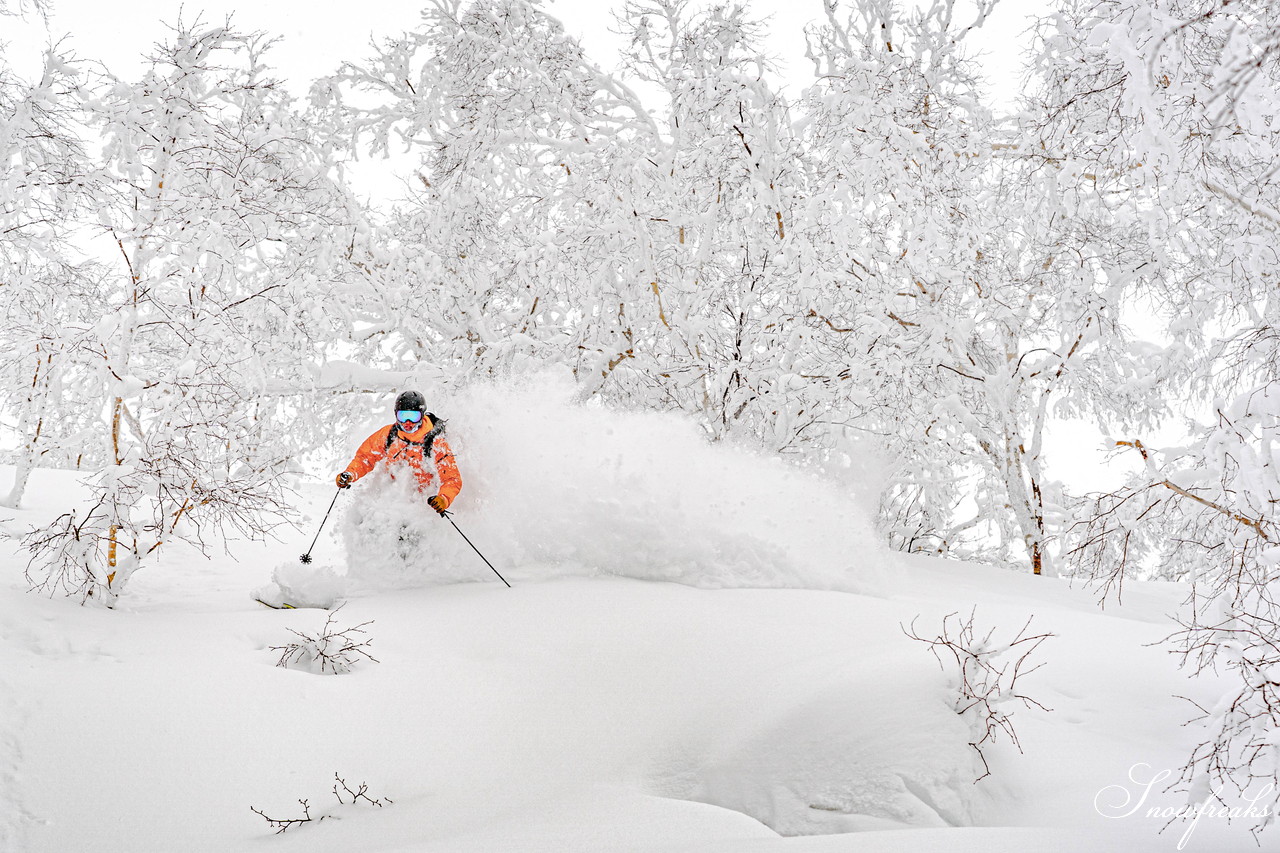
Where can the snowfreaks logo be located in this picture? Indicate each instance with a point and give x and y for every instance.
(1121, 801)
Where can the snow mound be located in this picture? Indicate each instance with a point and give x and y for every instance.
(303, 586)
(554, 488)
(883, 754)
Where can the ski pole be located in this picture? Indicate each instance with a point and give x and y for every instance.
(447, 514)
(306, 558)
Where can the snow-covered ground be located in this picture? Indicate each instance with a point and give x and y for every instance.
(658, 678)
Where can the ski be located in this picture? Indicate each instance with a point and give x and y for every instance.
(286, 606)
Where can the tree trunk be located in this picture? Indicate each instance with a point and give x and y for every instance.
(37, 398)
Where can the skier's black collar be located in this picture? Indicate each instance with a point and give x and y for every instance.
(437, 429)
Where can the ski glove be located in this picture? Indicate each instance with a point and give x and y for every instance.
(344, 480)
(439, 503)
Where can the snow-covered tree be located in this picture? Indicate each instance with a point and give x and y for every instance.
(888, 126)
(494, 259)
(980, 287)
(698, 312)
(561, 219)
(45, 287)
(22, 8)
(881, 259)
(225, 223)
(1184, 94)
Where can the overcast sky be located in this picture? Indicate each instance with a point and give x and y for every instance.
(316, 35)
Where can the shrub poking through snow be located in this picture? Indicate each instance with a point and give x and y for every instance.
(284, 824)
(330, 652)
(1239, 750)
(985, 676)
(341, 790)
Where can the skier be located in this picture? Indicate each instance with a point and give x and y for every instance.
(409, 443)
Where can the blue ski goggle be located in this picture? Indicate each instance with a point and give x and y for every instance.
(409, 417)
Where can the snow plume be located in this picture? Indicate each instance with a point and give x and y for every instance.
(552, 487)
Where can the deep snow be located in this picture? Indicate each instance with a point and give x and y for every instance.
(769, 700)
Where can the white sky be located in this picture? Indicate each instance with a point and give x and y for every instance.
(317, 36)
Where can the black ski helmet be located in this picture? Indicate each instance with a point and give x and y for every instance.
(411, 401)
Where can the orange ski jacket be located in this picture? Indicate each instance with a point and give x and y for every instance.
(402, 450)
